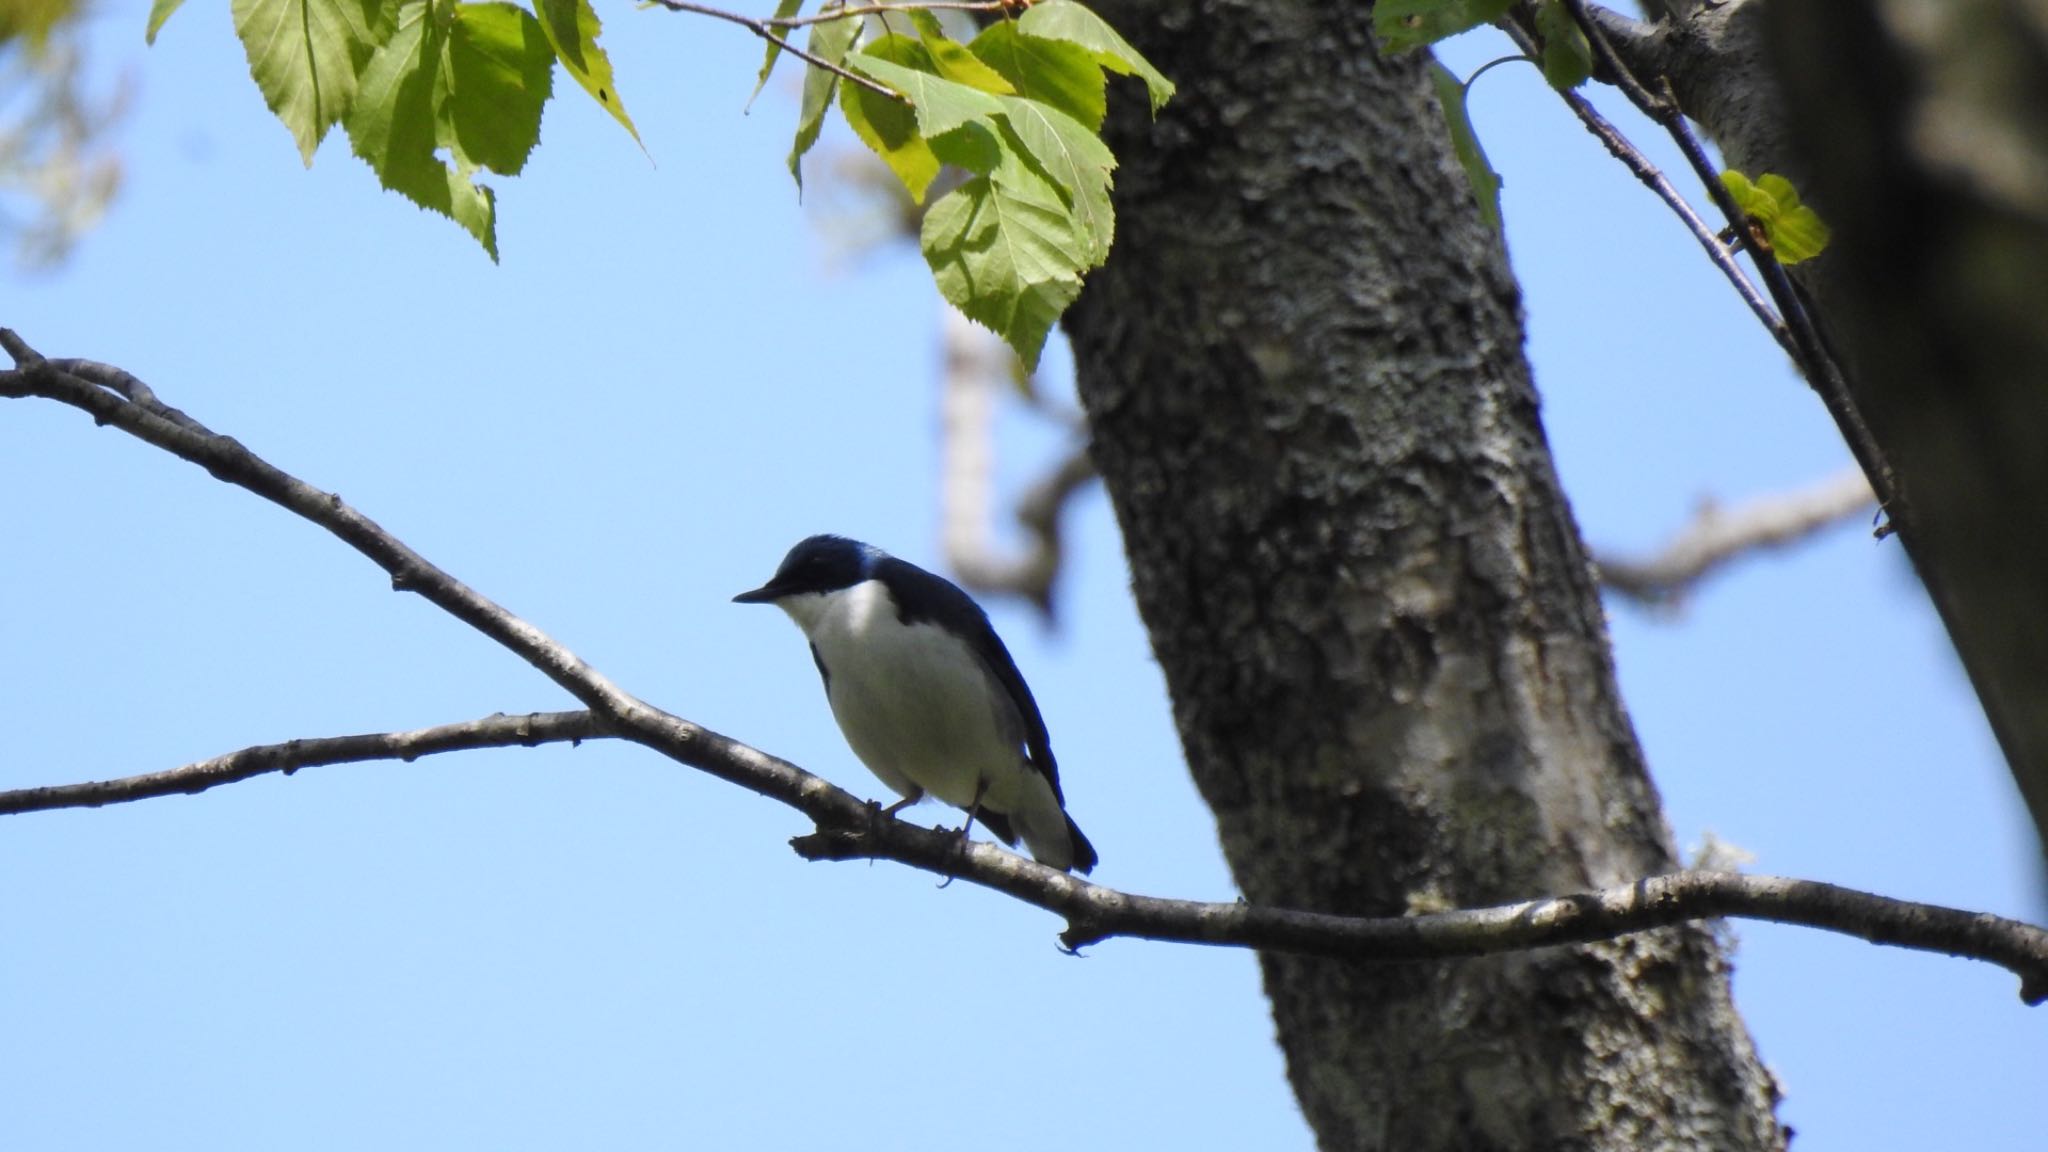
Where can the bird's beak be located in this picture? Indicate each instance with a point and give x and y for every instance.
(765, 594)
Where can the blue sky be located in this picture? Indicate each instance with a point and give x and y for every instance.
(673, 376)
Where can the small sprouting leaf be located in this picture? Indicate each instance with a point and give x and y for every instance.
(828, 41)
(784, 9)
(393, 127)
(941, 104)
(1004, 254)
(572, 28)
(1053, 72)
(1567, 56)
(159, 11)
(1479, 173)
(305, 56)
(889, 126)
(500, 72)
(1793, 231)
(1068, 21)
(1405, 24)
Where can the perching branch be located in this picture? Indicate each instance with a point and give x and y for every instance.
(1718, 536)
(1095, 913)
(849, 828)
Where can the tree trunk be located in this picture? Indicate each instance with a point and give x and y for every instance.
(1303, 367)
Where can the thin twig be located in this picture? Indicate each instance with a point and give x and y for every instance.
(766, 31)
(1653, 178)
(848, 828)
(498, 731)
(885, 9)
(1718, 536)
(1796, 332)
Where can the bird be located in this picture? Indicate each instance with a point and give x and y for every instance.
(925, 693)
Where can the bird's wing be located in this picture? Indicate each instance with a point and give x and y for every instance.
(925, 597)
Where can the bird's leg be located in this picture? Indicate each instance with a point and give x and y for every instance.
(877, 813)
(973, 810)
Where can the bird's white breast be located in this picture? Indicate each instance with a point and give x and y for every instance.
(915, 703)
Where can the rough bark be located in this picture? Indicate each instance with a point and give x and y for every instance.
(1387, 659)
(1919, 128)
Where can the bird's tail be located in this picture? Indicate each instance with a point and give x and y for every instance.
(1084, 852)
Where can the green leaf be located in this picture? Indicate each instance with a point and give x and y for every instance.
(1069, 22)
(500, 72)
(784, 9)
(1405, 24)
(1567, 57)
(1793, 231)
(1078, 163)
(952, 60)
(829, 42)
(305, 55)
(889, 126)
(572, 27)
(159, 11)
(1053, 72)
(1004, 254)
(941, 105)
(1479, 173)
(394, 127)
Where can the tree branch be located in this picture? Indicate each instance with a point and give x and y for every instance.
(849, 828)
(1717, 536)
(765, 29)
(1798, 334)
(496, 731)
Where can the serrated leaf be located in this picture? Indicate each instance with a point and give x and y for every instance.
(395, 128)
(1567, 56)
(888, 126)
(941, 105)
(828, 41)
(1479, 173)
(1078, 164)
(304, 55)
(784, 9)
(1405, 24)
(159, 11)
(1794, 231)
(1053, 72)
(500, 71)
(1004, 254)
(572, 28)
(1069, 22)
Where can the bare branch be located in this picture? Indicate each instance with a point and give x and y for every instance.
(1095, 913)
(976, 369)
(849, 828)
(497, 731)
(1717, 536)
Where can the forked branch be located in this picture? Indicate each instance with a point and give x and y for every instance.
(849, 828)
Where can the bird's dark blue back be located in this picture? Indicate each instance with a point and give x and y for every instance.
(923, 597)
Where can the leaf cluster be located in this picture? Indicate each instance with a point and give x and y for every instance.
(1017, 112)
(430, 92)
